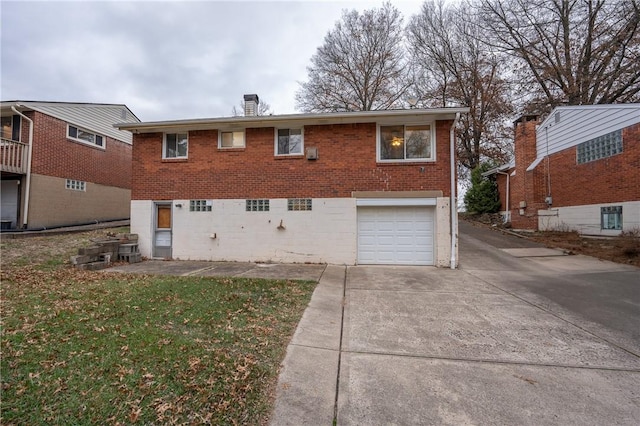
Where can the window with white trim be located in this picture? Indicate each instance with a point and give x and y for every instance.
(233, 139)
(76, 185)
(289, 141)
(406, 143)
(257, 205)
(299, 204)
(81, 135)
(200, 205)
(11, 127)
(175, 145)
(611, 217)
(601, 147)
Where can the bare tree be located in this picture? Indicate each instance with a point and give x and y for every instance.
(263, 109)
(574, 51)
(361, 66)
(454, 67)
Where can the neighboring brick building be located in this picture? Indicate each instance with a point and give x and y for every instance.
(579, 169)
(345, 188)
(80, 166)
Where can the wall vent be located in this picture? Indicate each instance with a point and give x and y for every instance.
(312, 153)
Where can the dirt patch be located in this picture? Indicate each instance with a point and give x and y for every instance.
(623, 249)
(48, 248)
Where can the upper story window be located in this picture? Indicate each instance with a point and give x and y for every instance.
(231, 139)
(11, 127)
(289, 141)
(600, 147)
(81, 135)
(175, 145)
(406, 143)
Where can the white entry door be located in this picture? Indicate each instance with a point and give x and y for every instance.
(162, 231)
(10, 194)
(395, 235)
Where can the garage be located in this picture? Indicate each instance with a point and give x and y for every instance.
(395, 235)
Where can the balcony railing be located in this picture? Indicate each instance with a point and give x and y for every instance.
(13, 155)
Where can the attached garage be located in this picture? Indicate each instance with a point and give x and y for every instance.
(396, 234)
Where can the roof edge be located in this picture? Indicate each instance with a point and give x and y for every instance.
(500, 168)
(266, 120)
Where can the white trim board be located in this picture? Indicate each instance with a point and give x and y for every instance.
(395, 202)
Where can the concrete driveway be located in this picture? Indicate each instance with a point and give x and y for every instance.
(518, 335)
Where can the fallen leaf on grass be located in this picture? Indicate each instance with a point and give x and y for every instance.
(135, 414)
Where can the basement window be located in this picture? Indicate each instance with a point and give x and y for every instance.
(257, 205)
(81, 135)
(611, 217)
(200, 205)
(76, 185)
(601, 147)
(299, 204)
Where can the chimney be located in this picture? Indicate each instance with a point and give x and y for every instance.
(251, 105)
(524, 145)
(527, 187)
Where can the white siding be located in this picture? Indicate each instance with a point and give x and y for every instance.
(585, 219)
(98, 118)
(579, 124)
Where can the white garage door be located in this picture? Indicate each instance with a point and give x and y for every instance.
(395, 235)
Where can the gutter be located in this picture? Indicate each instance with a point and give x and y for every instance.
(454, 201)
(27, 189)
(308, 118)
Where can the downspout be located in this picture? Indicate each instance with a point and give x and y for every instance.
(508, 206)
(454, 200)
(27, 188)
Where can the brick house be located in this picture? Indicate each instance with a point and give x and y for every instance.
(64, 164)
(343, 188)
(578, 169)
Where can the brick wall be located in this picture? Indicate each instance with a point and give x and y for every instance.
(55, 155)
(607, 180)
(346, 163)
(527, 186)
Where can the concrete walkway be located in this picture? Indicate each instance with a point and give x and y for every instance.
(494, 342)
(306, 393)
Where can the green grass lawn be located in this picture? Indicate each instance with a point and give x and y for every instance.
(93, 348)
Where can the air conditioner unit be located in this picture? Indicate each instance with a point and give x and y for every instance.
(312, 153)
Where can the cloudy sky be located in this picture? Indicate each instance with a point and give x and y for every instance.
(165, 59)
